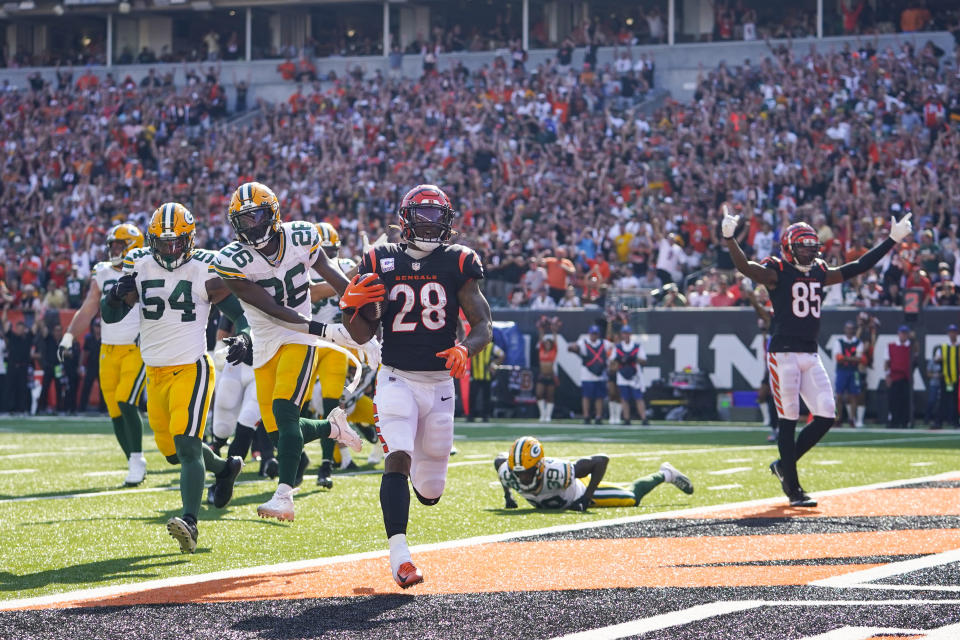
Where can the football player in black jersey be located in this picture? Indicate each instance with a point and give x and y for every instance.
(428, 282)
(795, 281)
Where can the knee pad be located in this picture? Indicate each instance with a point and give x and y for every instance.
(229, 394)
(425, 501)
(826, 405)
(438, 437)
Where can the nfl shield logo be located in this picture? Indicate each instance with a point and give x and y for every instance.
(416, 266)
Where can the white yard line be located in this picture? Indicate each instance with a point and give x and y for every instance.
(730, 471)
(861, 579)
(724, 487)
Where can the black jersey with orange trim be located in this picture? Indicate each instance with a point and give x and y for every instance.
(796, 300)
(420, 317)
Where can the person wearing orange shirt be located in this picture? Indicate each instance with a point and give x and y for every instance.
(559, 269)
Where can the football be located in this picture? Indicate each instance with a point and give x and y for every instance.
(363, 325)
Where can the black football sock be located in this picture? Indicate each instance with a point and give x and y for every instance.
(329, 404)
(133, 422)
(290, 440)
(242, 438)
(395, 502)
(189, 451)
(788, 452)
(211, 460)
(811, 434)
(120, 431)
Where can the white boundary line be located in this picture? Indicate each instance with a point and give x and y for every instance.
(713, 609)
(861, 579)
(103, 592)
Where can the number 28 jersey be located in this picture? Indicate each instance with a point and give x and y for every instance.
(174, 307)
(421, 313)
(558, 487)
(285, 278)
(796, 303)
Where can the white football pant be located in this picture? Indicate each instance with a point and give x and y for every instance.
(795, 375)
(416, 416)
(235, 399)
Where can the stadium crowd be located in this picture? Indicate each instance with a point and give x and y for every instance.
(575, 187)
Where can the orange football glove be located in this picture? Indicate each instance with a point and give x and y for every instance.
(363, 289)
(458, 360)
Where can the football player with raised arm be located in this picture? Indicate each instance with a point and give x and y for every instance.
(795, 281)
(549, 483)
(122, 373)
(428, 282)
(267, 267)
(175, 286)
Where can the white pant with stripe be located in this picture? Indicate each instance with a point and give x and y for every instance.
(794, 375)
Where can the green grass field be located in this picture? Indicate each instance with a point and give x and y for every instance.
(68, 524)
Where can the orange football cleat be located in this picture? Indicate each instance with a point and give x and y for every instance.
(408, 575)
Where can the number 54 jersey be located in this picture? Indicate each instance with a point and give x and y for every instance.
(174, 307)
(422, 309)
(286, 278)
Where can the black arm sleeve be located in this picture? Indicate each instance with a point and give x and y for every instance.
(866, 262)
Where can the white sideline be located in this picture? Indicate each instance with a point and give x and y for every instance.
(102, 592)
(860, 579)
(704, 611)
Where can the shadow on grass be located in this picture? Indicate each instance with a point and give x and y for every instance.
(90, 573)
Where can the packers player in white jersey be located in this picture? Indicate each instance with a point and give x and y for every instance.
(332, 367)
(548, 483)
(175, 285)
(267, 267)
(122, 373)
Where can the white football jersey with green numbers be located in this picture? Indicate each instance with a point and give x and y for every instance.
(125, 331)
(285, 278)
(174, 307)
(557, 486)
(327, 310)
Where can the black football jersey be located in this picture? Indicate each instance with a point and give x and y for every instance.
(796, 303)
(421, 313)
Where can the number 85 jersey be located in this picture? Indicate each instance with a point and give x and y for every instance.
(796, 305)
(286, 278)
(421, 313)
(174, 307)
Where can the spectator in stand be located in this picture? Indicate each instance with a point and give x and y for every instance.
(570, 299)
(287, 69)
(559, 271)
(915, 17)
(699, 296)
(542, 301)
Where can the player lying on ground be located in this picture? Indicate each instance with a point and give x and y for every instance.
(549, 483)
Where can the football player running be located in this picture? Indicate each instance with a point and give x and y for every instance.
(428, 282)
(175, 286)
(267, 267)
(122, 373)
(795, 281)
(332, 364)
(549, 483)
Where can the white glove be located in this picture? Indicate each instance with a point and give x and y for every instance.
(371, 352)
(729, 225)
(219, 356)
(338, 335)
(900, 230)
(66, 343)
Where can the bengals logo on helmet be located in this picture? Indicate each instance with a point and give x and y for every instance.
(426, 217)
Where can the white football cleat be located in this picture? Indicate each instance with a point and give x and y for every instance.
(137, 469)
(376, 455)
(341, 431)
(677, 479)
(280, 506)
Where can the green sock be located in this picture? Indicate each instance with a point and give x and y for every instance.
(290, 440)
(646, 484)
(274, 437)
(192, 472)
(212, 461)
(327, 446)
(133, 422)
(120, 431)
(313, 429)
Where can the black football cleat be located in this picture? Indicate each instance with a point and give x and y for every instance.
(269, 468)
(799, 498)
(222, 489)
(323, 475)
(185, 532)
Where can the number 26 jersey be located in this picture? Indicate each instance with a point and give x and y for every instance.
(286, 278)
(796, 305)
(421, 313)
